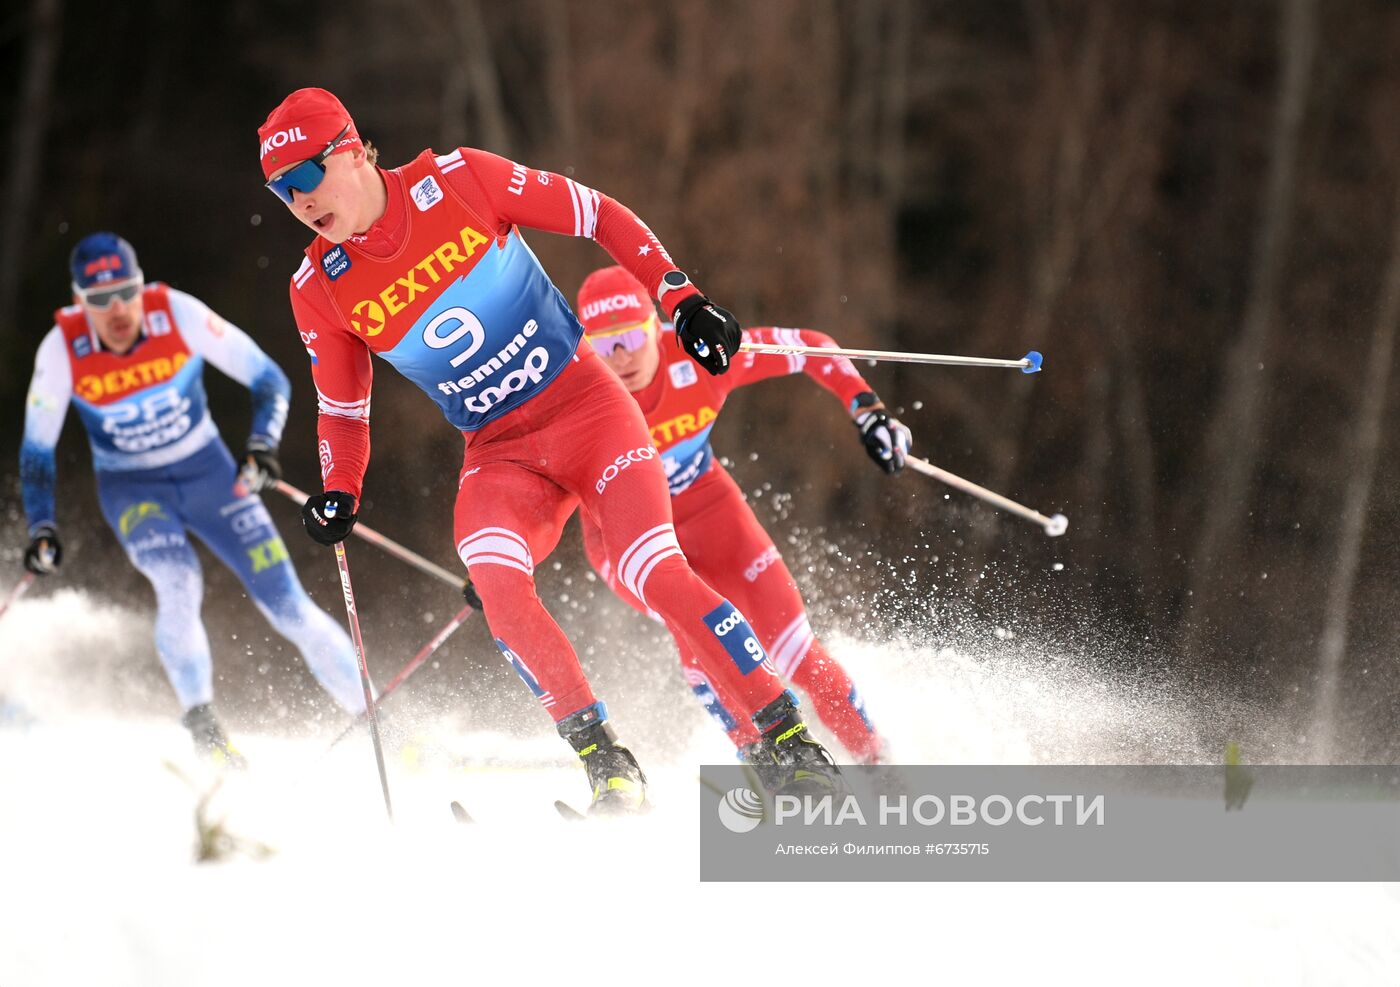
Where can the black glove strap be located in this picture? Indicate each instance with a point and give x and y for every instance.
(865, 399)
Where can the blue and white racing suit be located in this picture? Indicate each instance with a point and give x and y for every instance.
(163, 472)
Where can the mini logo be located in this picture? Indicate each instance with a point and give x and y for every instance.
(336, 262)
(426, 194)
(157, 323)
(82, 346)
(740, 810)
(683, 374)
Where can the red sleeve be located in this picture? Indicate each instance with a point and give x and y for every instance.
(837, 374)
(342, 371)
(510, 194)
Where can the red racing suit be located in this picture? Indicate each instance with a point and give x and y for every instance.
(444, 287)
(725, 543)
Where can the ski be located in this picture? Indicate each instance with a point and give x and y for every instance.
(567, 812)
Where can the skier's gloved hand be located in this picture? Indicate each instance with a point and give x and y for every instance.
(45, 551)
(707, 332)
(261, 468)
(885, 438)
(328, 517)
(473, 598)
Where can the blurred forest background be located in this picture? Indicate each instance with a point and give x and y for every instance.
(1192, 209)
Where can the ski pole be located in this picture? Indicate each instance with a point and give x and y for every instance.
(395, 549)
(438, 639)
(370, 713)
(1054, 525)
(1028, 364)
(20, 589)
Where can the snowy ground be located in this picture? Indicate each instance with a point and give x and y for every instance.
(97, 883)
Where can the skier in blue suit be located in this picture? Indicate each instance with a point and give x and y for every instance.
(130, 356)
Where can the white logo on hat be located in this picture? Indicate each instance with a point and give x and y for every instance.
(612, 303)
(281, 139)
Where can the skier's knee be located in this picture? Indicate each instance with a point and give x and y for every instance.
(667, 579)
(499, 585)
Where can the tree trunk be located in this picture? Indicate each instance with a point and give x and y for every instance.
(680, 134)
(559, 44)
(1234, 441)
(893, 109)
(1141, 464)
(27, 150)
(1058, 242)
(472, 69)
(1360, 467)
(826, 162)
(1097, 431)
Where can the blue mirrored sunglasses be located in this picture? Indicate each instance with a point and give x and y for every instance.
(306, 176)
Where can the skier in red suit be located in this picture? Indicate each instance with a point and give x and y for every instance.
(425, 266)
(681, 407)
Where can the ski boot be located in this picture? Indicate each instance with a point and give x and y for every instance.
(787, 760)
(210, 741)
(619, 786)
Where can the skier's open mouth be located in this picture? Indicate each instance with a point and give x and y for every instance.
(325, 222)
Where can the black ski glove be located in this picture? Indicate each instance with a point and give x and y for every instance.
(261, 468)
(707, 332)
(45, 551)
(328, 517)
(885, 438)
(470, 594)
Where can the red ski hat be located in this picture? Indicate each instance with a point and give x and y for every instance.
(301, 127)
(612, 297)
